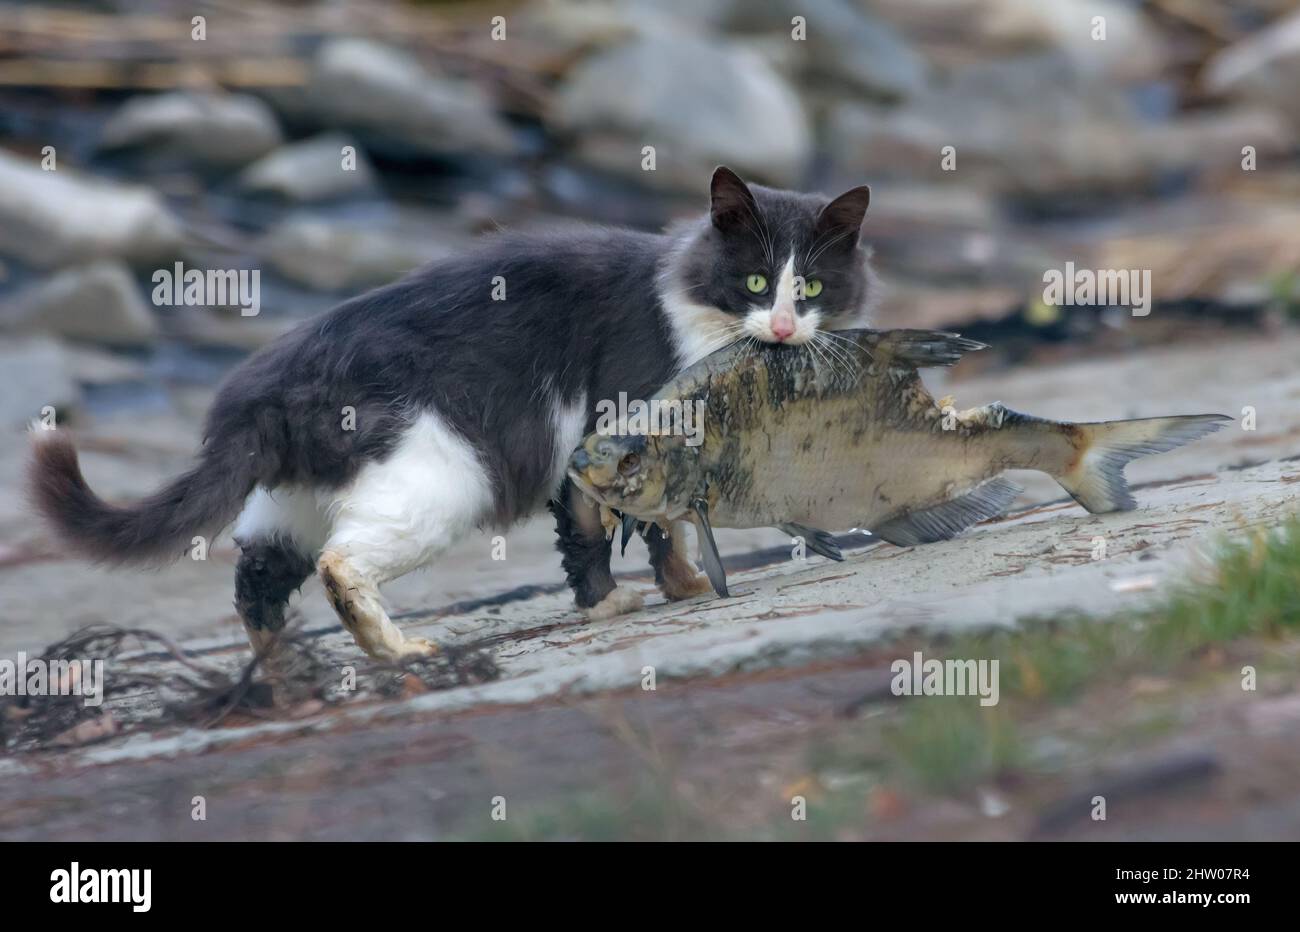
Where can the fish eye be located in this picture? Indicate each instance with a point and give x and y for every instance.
(812, 287)
(629, 465)
(757, 284)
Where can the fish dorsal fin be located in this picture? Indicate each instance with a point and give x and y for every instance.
(922, 348)
(950, 518)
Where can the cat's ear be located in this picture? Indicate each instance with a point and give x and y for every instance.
(845, 213)
(732, 202)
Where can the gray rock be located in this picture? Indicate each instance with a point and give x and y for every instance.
(843, 43)
(311, 170)
(384, 95)
(1132, 49)
(697, 102)
(336, 256)
(1036, 126)
(1213, 139)
(1262, 68)
(570, 28)
(91, 366)
(201, 326)
(36, 376)
(217, 130)
(54, 218)
(999, 117)
(864, 52)
(96, 303)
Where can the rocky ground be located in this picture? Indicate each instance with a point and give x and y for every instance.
(746, 688)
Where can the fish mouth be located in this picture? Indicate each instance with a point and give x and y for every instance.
(584, 486)
(598, 495)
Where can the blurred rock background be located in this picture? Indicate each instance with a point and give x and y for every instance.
(225, 151)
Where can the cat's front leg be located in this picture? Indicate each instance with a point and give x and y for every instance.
(675, 575)
(585, 557)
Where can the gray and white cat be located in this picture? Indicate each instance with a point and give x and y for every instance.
(467, 407)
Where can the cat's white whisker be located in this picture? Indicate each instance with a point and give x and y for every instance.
(836, 353)
(845, 347)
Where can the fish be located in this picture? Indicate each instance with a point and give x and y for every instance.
(844, 434)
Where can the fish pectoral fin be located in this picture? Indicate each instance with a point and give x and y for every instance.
(950, 518)
(709, 549)
(922, 348)
(818, 541)
(629, 528)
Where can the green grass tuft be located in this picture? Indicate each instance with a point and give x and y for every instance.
(1256, 593)
(945, 743)
(652, 810)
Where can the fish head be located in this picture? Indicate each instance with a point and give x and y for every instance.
(628, 472)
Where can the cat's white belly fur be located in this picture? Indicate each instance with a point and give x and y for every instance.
(395, 515)
(399, 513)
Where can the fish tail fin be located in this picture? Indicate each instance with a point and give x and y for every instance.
(1096, 478)
(1090, 459)
(924, 348)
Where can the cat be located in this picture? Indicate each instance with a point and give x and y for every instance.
(369, 440)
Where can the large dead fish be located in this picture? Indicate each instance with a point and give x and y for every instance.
(846, 435)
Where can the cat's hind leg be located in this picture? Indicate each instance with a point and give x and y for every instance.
(277, 533)
(268, 573)
(586, 553)
(398, 514)
(675, 575)
(354, 594)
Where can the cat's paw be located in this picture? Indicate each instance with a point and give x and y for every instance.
(620, 601)
(418, 647)
(676, 587)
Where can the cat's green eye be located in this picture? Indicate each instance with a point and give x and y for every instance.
(756, 283)
(812, 287)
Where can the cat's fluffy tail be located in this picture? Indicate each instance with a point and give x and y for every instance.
(156, 529)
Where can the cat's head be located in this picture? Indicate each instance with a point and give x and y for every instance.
(774, 265)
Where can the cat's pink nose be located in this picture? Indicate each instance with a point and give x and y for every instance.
(782, 327)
